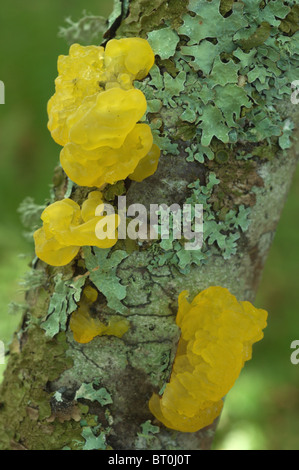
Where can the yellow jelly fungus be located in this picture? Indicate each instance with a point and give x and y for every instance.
(77, 79)
(108, 120)
(85, 327)
(217, 334)
(95, 111)
(106, 164)
(66, 228)
(132, 56)
(147, 166)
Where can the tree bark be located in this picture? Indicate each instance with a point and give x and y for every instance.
(40, 407)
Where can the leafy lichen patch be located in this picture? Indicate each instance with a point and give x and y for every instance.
(218, 100)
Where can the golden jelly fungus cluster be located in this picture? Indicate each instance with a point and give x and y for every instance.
(66, 228)
(217, 334)
(85, 327)
(95, 110)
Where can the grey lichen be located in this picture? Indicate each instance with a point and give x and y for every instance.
(63, 302)
(221, 88)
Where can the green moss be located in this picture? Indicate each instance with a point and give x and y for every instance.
(290, 24)
(145, 16)
(25, 409)
(221, 156)
(112, 191)
(226, 6)
(258, 38)
(40, 305)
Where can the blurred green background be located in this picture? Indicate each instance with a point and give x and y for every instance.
(262, 410)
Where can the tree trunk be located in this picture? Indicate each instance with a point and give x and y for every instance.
(58, 393)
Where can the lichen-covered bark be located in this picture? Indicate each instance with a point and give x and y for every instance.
(39, 403)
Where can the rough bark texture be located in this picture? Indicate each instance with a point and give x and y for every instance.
(38, 404)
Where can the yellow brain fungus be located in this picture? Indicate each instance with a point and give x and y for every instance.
(147, 165)
(85, 327)
(66, 228)
(132, 56)
(217, 334)
(108, 120)
(106, 164)
(95, 110)
(77, 80)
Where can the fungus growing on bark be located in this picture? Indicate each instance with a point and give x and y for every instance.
(217, 334)
(66, 228)
(85, 327)
(95, 110)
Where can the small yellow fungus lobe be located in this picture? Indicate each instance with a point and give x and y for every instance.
(85, 327)
(217, 334)
(147, 166)
(66, 228)
(107, 164)
(108, 120)
(77, 79)
(132, 56)
(95, 110)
